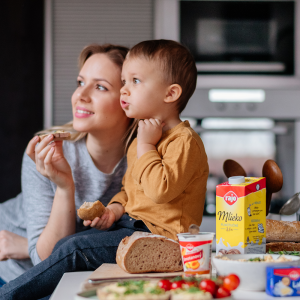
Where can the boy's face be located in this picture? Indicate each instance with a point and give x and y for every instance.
(144, 90)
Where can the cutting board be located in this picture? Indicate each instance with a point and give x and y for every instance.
(114, 271)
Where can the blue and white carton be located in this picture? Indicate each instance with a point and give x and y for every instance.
(283, 281)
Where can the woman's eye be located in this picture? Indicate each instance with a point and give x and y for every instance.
(101, 87)
(80, 83)
(135, 80)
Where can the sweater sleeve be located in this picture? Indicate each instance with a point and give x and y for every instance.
(163, 179)
(38, 197)
(121, 197)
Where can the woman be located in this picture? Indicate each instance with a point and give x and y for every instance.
(92, 166)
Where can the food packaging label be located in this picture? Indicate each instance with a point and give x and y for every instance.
(196, 252)
(241, 217)
(283, 281)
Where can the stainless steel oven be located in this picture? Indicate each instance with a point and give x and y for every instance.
(250, 142)
(236, 43)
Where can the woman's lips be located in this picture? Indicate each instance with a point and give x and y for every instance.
(124, 104)
(83, 113)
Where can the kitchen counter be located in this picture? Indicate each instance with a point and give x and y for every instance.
(71, 284)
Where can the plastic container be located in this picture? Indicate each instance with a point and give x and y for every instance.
(283, 281)
(196, 252)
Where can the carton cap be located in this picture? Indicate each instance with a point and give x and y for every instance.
(236, 179)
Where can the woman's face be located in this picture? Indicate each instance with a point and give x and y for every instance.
(96, 101)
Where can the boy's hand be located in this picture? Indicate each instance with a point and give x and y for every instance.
(103, 223)
(149, 133)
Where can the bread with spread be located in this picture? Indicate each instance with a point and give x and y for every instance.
(59, 135)
(91, 210)
(144, 252)
(282, 231)
(149, 290)
(133, 290)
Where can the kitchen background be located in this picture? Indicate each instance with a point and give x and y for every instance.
(41, 41)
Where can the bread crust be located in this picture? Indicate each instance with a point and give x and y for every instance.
(282, 231)
(282, 246)
(97, 209)
(58, 135)
(128, 242)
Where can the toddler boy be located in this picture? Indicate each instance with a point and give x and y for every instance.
(165, 183)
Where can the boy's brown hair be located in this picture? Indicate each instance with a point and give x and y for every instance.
(176, 61)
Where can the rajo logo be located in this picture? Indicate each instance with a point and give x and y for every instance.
(190, 247)
(294, 275)
(230, 198)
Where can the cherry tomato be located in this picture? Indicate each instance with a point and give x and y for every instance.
(222, 292)
(177, 284)
(165, 284)
(208, 285)
(231, 282)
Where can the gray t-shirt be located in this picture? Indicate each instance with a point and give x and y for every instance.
(28, 213)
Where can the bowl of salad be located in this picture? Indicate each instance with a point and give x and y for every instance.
(251, 268)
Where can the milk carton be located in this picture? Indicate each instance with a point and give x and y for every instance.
(241, 215)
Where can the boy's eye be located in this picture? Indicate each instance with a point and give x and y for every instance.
(80, 83)
(101, 87)
(135, 80)
(124, 82)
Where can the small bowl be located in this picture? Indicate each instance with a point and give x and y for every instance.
(252, 274)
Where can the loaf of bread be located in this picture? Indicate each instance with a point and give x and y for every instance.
(282, 246)
(144, 252)
(91, 210)
(59, 135)
(282, 231)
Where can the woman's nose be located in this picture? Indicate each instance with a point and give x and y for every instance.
(83, 94)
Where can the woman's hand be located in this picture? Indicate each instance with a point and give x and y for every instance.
(113, 213)
(50, 161)
(13, 246)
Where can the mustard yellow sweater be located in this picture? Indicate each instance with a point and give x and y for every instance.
(166, 187)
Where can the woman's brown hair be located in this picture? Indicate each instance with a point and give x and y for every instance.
(116, 54)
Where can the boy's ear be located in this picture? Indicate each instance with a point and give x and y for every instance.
(173, 93)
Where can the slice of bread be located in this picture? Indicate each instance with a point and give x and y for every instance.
(59, 135)
(282, 246)
(91, 210)
(144, 252)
